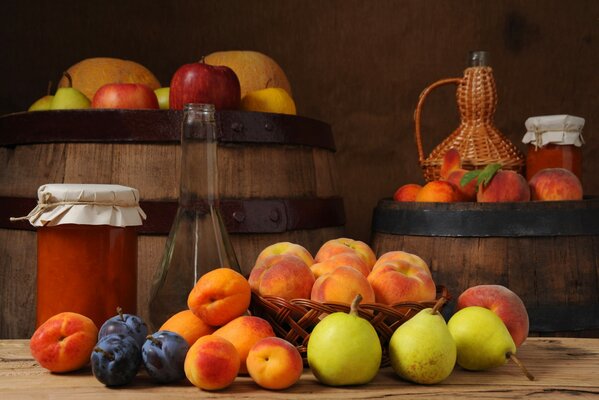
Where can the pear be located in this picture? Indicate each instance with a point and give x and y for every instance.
(482, 340)
(422, 350)
(344, 349)
(162, 94)
(67, 98)
(43, 103)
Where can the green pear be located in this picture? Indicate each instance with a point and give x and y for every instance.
(482, 340)
(344, 349)
(41, 104)
(67, 98)
(162, 94)
(422, 350)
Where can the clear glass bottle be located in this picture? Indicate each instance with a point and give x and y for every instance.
(198, 241)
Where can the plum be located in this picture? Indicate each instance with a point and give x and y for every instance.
(125, 324)
(163, 355)
(116, 359)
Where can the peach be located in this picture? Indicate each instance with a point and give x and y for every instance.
(274, 363)
(398, 280)
(339, 260)
(346, 245)
(188, 325)
(505, 186)
(285, 248)
(554, 184)
(64, 342)
(439, 192)
(452, 161)
(212, 363)
(466, 192)
(342, 285)
(282, 275)
(403, 255)
(243, 332)
(506, 304)
(219, 296)
(407, 192)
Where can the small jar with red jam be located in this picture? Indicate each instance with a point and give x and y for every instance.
(86, 250)
(554, 141)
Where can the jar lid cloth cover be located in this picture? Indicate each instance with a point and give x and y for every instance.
(86, 204)
(554, 129)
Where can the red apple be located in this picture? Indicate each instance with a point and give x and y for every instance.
(503, 302)
(202, 83)
(125, 95)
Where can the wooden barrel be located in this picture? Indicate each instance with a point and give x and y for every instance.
(546, 252)
(277, 182)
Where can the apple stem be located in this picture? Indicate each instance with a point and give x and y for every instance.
(353, 310)
(69, 78)
(438, 305)
(106, 354)
(119, 311)
(513, 357)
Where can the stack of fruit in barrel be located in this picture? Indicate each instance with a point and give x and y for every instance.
(491, 184)
(215, 340)
(230, 80)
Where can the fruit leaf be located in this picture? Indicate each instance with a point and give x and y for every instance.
(488, 173)
(469, 176)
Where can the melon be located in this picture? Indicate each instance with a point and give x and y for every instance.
(255, 70)
(92, 73)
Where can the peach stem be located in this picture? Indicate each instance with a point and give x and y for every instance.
(353, 310)
(522, 367)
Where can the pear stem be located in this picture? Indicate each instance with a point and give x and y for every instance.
(353, 310)
(513, 357)
(438, 305)
(49, 88)
(69, 78)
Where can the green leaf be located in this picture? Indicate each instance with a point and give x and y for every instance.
(469, 176)
(488, 173)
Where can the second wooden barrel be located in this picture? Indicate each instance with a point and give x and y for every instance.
(546, 252)
(277, 182)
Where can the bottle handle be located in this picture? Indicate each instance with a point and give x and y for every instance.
(418, 110)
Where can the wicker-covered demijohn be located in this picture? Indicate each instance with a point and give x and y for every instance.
(477, 139)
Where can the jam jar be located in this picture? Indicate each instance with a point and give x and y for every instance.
(554, 141)
(86, 250)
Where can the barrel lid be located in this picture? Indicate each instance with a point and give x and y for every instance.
(86, 204)
(555, 129)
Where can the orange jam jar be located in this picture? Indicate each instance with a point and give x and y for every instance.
(86, 250)
(554, 141)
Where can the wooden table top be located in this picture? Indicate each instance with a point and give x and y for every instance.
(563, 368)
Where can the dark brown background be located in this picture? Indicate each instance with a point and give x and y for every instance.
(358, 65)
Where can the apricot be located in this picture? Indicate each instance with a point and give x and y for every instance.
(244, 332)
(438, 191)
(342, 285)
(343, 259)
(274, 363)
(283, 275)
(64, 342)
(212, 363)
(555, 184)
(188, 325)
(346, 245)
(505, 186)
(407, 192)
(219, 296)
(398, 280)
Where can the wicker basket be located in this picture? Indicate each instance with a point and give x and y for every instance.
(293, 320)
(477, 139)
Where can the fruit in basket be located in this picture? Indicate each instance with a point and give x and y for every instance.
(555, 184)
(90, 74)
(438, 192)
(502, 301)
(422, 350)
(125, 96)
(69, 98)
(396, 281)
(285, 248)
(407, 192)
(220, 296)
(402, 255)
(274, 363)
(212, 363)
(270, 100)
(163, 355)
(335, 344)
(199, 82)
(64, 342)
(125, 324)
(243, 332)
(340, 260)
(282, 275)
(346, 245)
(188, 325)
(341, 286)
(116, 359)
(255, 70)
(162, 94)
(482, 340)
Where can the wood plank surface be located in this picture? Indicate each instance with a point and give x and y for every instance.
(563, 368)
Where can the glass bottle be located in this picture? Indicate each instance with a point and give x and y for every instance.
(198, 241)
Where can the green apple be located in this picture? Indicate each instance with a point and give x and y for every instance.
(163, 94)
(344, 349)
